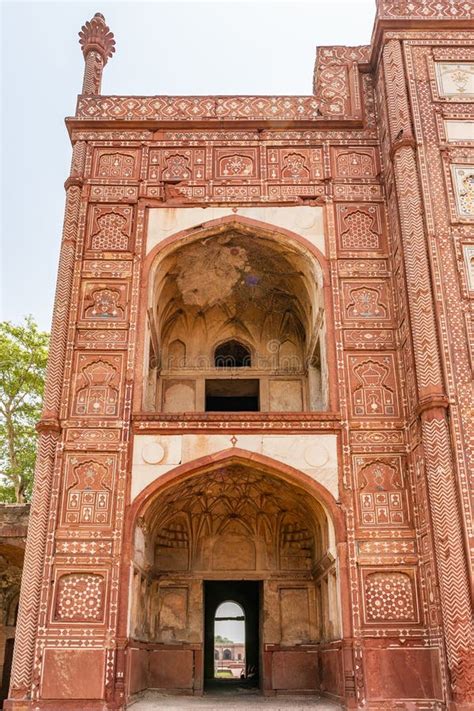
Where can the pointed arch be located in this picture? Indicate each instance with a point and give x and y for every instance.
(280, 237)
(236, 455)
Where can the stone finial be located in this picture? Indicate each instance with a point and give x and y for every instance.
(98, 45)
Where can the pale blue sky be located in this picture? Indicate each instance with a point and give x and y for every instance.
(232, 630)
(163, 47)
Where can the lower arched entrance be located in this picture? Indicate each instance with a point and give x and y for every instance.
(231, 634)
(234, 531)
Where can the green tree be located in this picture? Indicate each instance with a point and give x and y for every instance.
(23, 356)
(222, 640)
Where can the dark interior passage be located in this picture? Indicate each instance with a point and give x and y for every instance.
(7, 667)
(232, 395)
(247, 595)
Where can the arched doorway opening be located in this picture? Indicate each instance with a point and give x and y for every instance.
(231, 630)
(233, 530)
(254, 294)
(229, 641)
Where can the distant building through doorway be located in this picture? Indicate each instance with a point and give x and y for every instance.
(229, 655)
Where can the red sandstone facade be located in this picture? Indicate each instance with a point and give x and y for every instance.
(370, 184)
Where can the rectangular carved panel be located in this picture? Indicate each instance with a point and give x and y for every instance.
(295, 164)
(382, 499)
(104, 302)
(175, 164)
(368, 340)
(359, 228)
(373, 386)
(114, 193)
(357, 163)
(236, 163)
(110, 228)
(107, 268)
(116, 163)
(79, 597)
(390, 597)
(97, 385)
(463, 183)
(88, 495)
(455, 80)
(366, 302)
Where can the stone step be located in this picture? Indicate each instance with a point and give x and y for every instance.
(231, 702)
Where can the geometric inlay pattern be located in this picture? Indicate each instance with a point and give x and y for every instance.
(80, 597)
(389, 597)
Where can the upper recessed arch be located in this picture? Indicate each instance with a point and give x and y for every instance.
(242, 281)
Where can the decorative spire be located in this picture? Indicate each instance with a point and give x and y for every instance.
(98, 45)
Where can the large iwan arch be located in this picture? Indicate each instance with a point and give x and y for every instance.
(206, 525)
(270, 290)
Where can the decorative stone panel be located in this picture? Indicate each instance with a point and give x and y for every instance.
(114, 193)
(359, 228)
(366, 301)
(459, 131)
(236, 163)
(104, 302)
(373, 389)
(382, 500)
(295, 164)
(110, 228)
(463, 182)
(100, 268)
(468, 251)
(354, 163)
(110, 163)
(176, 164)
(390, 597)
(97, 385)
(80, 598)
(88, 490)
(455, 79)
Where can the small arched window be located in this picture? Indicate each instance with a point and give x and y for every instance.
(232, 354)
(229, 630)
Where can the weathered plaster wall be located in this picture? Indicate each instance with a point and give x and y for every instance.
(315, 455)
(306, 221)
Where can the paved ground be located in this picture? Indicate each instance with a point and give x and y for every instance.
(238, 701)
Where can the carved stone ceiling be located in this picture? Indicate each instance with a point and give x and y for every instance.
(234, 276)
(235, 495)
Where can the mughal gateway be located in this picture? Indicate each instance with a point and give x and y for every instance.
(260, 388)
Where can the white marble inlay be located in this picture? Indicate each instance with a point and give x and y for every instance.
(455, 79)
(459, 130)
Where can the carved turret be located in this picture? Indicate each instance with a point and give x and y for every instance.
(98, 45)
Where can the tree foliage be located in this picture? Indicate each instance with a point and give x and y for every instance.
(222, 640)
(23, 356)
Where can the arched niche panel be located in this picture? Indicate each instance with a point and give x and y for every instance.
(235, 521)
(242, 285)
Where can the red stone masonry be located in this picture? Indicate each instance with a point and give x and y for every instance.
(372, 147)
